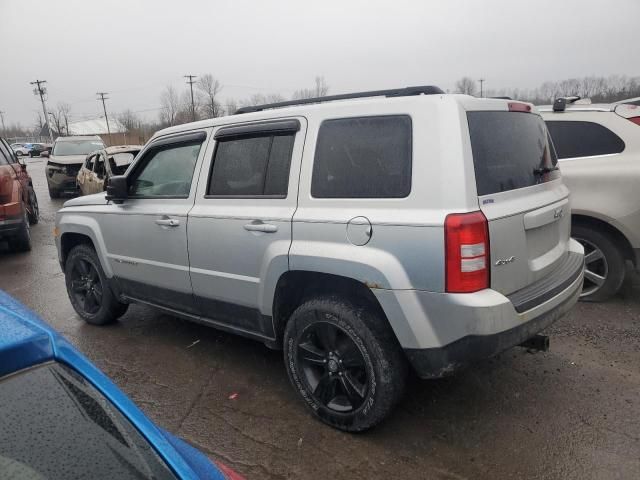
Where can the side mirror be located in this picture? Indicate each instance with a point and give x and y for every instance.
(117, 189)
(44, 153)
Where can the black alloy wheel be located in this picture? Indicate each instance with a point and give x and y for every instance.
(333, 366)
(86, 286)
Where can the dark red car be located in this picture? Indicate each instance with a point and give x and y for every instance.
(18, 202)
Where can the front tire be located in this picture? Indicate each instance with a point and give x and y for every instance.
(345, 362)
(88, 288)
(604, 264)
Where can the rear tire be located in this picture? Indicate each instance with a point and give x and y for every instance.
(604, 264)
(34, 209)
(54, 193)
(21, 242)
(345, 362)
(88, 288)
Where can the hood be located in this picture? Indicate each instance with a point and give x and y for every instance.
(67, 159)
(95, 199)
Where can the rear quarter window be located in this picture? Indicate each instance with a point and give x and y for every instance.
(583, 139)
(363, 157)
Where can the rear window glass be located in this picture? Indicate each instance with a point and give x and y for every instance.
(583, 139)
(55, 424)
(76, 147)
(510, 151)
(364, 157)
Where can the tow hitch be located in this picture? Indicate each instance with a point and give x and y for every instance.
(538, 342)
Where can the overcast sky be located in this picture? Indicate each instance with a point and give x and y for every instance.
(133, 49)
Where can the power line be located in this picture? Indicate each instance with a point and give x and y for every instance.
(193, 106)
(40, 90)
(104, 107)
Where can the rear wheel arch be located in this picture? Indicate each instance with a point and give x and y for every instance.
(294, 287)
(597, 224)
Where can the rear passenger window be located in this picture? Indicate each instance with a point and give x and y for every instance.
(252, 166)
(583, 139)
(364, 157)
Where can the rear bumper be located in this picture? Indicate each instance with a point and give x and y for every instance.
(439, 362)
(442, 332)
(10, 227)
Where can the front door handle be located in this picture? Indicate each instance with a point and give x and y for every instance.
(261, 227)
(168, 222)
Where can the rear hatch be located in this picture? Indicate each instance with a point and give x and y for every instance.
(520, 192)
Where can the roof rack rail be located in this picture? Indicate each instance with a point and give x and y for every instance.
(560, 103)
(501, 98)
(398, 92)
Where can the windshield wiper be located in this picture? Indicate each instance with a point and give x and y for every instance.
(543, 170)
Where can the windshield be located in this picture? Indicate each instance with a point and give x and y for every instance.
(77, 147)
(511, 150)
(55, 424)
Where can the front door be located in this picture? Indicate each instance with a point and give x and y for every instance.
(146, 236)
(240, 227)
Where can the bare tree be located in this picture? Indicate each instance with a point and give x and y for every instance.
(466, 85)
(231, 105)
(170, 106)
(39, 123)
(129, 120)
(208, 90)
(260, 99)
(321, 89)
(60, 116)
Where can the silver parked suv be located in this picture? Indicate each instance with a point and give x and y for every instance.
(599, 149)
(361, 233)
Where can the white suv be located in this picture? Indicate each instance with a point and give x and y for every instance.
(599, 150)
(360, 233)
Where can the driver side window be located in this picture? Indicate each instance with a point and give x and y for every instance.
(167, 171)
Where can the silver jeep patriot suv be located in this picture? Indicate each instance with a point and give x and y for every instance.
(360, 233)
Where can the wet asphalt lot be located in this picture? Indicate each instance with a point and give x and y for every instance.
(572, 412)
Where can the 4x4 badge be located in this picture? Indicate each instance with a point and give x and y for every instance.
(504, 261)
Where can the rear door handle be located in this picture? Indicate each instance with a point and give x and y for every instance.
(261, 227)
(168, 222)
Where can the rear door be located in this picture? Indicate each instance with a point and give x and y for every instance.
(521, 193)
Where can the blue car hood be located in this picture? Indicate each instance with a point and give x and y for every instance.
(25, 340)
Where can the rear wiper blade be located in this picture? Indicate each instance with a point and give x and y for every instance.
(543, 170)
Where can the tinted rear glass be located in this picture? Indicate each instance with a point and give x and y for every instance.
(364, 157)
(54, 424)
(510, 151)
(583, 139)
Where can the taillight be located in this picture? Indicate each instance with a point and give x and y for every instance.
(466, 239)
(519, 107)
(228, 473)
(635, 120)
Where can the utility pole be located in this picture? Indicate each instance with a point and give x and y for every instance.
(104, 107)
(481, 82)
(193, 106)
(40, 90)
(4, 129)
